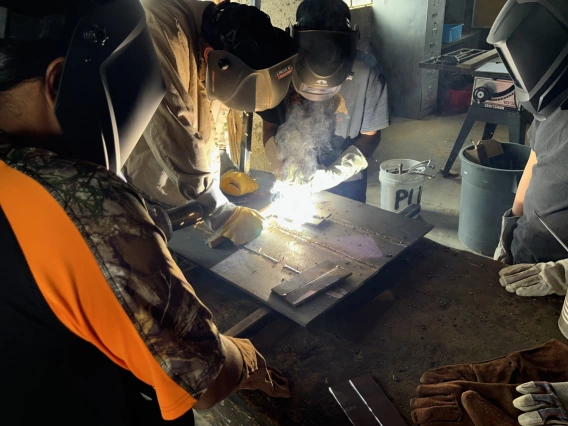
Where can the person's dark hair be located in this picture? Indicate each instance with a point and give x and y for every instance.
(26, 60)
(247, 33)
(323, 15)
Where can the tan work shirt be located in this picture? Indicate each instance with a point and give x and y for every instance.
(176, 159)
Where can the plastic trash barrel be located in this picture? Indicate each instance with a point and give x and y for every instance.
(486, 194)
(399, 191)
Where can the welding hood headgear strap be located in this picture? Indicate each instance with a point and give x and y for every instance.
(239, 87)
(531, 37)
(111, 83)
(28, 28)
(325, 58)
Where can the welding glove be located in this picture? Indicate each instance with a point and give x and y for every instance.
(545, 362)
(349, 163)
(544, 403)
(257, 375)
(480, 410)
(273, 156)
(239, 224)
(442, 404)
(237, 183)
(508, 224)
(531, 280)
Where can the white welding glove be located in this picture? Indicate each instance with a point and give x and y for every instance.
(543, 403)
(349, 163)
(503, 251)
(541, 279)
(273, 156)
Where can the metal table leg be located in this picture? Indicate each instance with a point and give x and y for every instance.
(464, 133)
(492, 117)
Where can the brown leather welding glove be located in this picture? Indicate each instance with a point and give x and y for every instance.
(441, 404)
(257, 375)
(480, 410)
(548, 362)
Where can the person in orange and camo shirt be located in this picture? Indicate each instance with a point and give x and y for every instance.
(99, 325)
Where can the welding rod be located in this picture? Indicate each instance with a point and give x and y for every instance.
(551, 231)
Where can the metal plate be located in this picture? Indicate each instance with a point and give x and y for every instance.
(353, 406)
(308, 284)
(357, 237)
(312, 274)
(312, 289)
(257, 274)
(364, 403)
(377, 401)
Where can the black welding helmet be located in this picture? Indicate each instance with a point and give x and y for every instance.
(111, 83)
(325, 60)
(238, 86)
(251, 67)
(531, 37)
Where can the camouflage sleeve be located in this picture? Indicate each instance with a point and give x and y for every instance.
(173, 322)
(175, 326)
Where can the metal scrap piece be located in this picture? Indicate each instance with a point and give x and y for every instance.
(307, 284)
(364, 403)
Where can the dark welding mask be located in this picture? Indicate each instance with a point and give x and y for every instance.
(242, 88)
(325, 59)
(531, 37)
(111, 83)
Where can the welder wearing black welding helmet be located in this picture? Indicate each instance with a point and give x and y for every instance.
(94, 312)
(336, 110)
(531, 37)
(227, 52)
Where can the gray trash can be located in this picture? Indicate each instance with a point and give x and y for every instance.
(486, 194)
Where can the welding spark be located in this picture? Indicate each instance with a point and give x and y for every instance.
(292, 205)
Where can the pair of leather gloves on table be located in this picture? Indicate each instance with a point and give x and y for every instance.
(527, 279)
(488, 393)
(348, 164)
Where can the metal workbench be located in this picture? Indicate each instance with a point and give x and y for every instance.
(358, 238)
(432, 306)
(429, 307)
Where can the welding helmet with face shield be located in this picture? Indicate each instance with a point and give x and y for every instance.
(250, 68)
(531, 37)
(231, 81)
(111, 83)
(325, 60)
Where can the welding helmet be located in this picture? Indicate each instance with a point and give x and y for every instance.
(111, 83)
(531, 37)
(250, 68)
(231, 81)
(325, 60)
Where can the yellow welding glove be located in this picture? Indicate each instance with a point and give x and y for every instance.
(243, 226)
(237, 183)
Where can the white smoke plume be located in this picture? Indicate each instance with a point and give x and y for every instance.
(304, 137)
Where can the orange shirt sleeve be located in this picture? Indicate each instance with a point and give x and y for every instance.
(120, 291)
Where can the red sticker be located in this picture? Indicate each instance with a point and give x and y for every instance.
(284, 72)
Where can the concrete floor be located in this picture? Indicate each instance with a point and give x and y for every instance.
(431, 138)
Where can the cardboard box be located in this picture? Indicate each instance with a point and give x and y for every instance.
(484, 151)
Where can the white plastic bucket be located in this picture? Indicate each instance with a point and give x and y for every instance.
(400, 191)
